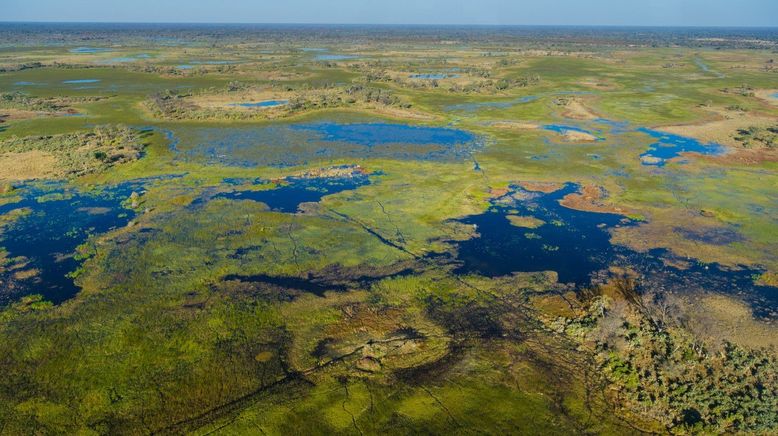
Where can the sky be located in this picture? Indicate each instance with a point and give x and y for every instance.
(506, 12)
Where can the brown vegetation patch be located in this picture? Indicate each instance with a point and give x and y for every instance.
(576, 136)
(767, 96)
(26, 274)
(498, 192)
(659, 231)
(544, 187)
(515, 125)
(717, 318)
(743, 156)
(723, 128)
(29, 165)
(576, 110)
(528, 222)
(590, 199)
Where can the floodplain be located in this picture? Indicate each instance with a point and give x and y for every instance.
(282, 230)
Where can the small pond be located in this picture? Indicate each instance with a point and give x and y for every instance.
(433, 76)
(89, 50)
(262, 104)
(289, 196)
(334, 57)
(80, 81)
(669, 146)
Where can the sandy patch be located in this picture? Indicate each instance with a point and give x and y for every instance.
(518, 125)
(396, 112)
(767, 95)
(231, 101)
(576, 110)
(576, 136)
(28, 165)
(16, 114)
(723, 129)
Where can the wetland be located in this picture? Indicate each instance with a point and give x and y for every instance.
(294, 229)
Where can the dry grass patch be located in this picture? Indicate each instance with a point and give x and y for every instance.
(33, 164)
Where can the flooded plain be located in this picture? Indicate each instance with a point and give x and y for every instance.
(529, 231)
(320, 142)
(54, 219)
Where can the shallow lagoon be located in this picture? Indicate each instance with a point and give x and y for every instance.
(263, 104)
(287, 198)
(433, 76)
(60, 218)
(506, 104)
(670, 146)
(89, 50)
(576, 245)
(126, 59)
(320, 142)
(334, 57)
(665, 147)
(572, 243)
(80, 81)
(562, 129)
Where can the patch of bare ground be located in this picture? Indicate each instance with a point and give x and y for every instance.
(723, 129)
(518, 125)
(767, 95)
(577, 110)
(575, 136)
(16, 114)
(395, 112)
(29, 165)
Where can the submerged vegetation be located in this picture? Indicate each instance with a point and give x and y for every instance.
(301, 230)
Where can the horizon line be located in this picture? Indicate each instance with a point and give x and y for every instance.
(699, 26)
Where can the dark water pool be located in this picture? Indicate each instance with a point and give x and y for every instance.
(306, 143)
(576, 245)
(288, 197)
(571, 242)
(60, 218)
